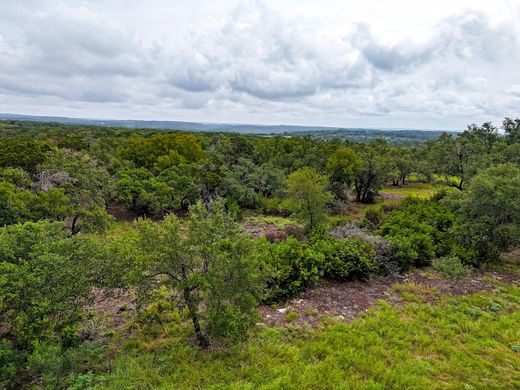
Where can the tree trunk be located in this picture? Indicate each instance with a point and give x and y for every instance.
(202, 339)
(73, 226)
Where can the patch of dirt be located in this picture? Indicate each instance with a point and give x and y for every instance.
(258, 229)
(120, 213)
(346, 300)
(391, 196)
(113, 307)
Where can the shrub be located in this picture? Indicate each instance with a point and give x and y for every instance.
(451, 268)
(424, 223)
(295, 231)
(373, 217)
(347, 259)
(402, 252)
(275, 235)
(7, 363)
(289, 267)
(380, 245)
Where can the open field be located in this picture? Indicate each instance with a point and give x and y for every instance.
(468, 341)
(417, 189)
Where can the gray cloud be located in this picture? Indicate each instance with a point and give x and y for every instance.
(256, 64)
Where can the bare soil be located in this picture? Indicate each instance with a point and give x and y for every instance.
(346, 300)
(113, 307)
(259, 229)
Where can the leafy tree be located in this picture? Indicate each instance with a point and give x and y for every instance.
(341, 166)
(512, 129)
(403, 165)
(22, 152)
(485, 135)
(308, 197)
(458, 158)
(207, 264)
(489, 212)
(373, 172)
(84, 181)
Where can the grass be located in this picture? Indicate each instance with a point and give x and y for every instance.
(417, 189)
(279, 222)
(460, 342)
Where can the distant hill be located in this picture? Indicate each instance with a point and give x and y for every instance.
(396, 136)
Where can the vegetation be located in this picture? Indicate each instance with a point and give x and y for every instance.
(199, 230)
(459, 342)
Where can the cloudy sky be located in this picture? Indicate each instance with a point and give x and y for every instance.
(412, 64)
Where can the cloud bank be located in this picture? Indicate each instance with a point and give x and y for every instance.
(252, 62)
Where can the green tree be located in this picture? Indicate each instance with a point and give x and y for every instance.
(308, 197)
(489, 212)
(85, 182)
(374, 170)
(341, 166)
(207, 264)
(512, 129)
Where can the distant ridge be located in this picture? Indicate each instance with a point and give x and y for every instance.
(202, 126)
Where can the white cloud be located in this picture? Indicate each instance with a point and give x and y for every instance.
(255, 61)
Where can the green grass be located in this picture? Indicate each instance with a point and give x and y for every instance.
(420, 190)
(458, 343)
(279, 222)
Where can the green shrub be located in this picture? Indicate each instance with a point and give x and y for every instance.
(424, 223)
(7, 363)
(347, 259)
(59, 367)
(289, 267)
(451, 268)
(402, 251)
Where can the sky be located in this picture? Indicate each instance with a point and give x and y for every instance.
(351, 63)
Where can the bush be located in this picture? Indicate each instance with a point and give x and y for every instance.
(380, 245)
(7, 363)
(289, 267)
(347, 259)
(452, 268)
(275, 235)
(295, 231)
(424, 223)
(402, 252)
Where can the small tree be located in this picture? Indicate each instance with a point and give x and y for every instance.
(308, 197)
(207, 264)
(375, 169)
(512, 129)
(489, 212)
(341, 166)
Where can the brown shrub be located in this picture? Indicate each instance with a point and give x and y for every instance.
(275, 235)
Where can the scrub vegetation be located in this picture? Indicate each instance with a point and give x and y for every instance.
(137, 258)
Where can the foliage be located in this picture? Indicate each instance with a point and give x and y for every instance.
(306, 191)
(341, 166)
(425, 224)
(460, 342)
(346, 259)
(289, 266)
(488, 212)
(402, 251)
(206, 264)
(380, 245)
(451, 268)
(373, 171)
(57, 183)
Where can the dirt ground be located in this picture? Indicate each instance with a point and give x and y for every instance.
(346, 300)
(341, 300)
